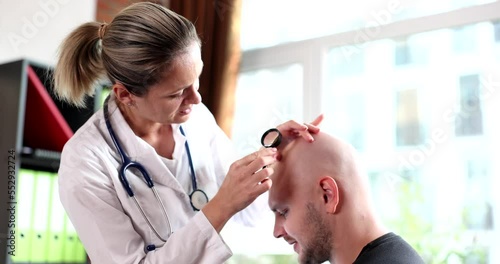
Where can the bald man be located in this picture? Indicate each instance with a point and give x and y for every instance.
(322, 207)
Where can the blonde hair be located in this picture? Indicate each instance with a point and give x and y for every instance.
(134, 50)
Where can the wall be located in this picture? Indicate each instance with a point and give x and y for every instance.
(34, 29)
(107, 9)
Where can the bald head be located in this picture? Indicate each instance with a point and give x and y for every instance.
(304, 164)
(304, 161)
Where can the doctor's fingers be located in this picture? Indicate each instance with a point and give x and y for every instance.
(258, 156)
(317, 121)
(262, 175)
(291, 128)
(313, 127)
(261, 164)
(259, 189)
(259, 183)
(253, 173)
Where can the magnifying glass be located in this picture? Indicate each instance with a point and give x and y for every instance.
(271, 138)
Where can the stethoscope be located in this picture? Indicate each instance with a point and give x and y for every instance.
(198, 198)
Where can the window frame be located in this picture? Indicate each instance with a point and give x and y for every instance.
(311, 53)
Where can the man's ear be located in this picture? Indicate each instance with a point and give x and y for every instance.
(331, 194)
(122, 94)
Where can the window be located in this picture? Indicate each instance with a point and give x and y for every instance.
(407, 118)
(496, 28)
(464, 39)
(341, 62)
(469, 120)
(348, 109)
(478, 210)
(269, 23)
(273, 96)
(403, 54)
(412, 91)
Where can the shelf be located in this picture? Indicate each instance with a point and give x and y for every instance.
(34, 124)
(40, 159)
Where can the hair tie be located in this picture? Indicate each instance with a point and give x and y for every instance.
(102, 30)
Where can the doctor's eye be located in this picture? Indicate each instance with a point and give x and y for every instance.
(176, 95)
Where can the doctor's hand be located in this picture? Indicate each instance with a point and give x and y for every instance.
(245, 181)
(291, 130)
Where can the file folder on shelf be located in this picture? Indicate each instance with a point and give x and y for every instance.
(73, 251)
(69, 241)
(80, 255)
(25, 200)
(39, 241)
(56, 225)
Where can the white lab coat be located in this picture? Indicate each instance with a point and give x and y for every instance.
(110, 225)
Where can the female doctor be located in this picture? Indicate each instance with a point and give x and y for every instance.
(147, 178)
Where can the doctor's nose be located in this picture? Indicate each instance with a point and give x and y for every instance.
(193, 96)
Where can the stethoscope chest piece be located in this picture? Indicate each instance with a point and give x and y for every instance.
(198, 199)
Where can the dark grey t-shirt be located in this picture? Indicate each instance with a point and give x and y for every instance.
(388, 249)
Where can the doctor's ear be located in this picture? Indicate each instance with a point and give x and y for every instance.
(331, 194)
(122, 94)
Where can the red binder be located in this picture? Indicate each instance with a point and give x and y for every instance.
(44, 125)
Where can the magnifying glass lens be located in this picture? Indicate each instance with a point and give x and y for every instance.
(271, 139)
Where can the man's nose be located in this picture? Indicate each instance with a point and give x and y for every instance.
(279, 230)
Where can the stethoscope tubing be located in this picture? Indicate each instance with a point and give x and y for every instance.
(190, 160)
(126, 164)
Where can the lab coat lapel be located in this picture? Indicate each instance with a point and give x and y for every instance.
(140, 151)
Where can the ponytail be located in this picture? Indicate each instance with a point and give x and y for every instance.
(80, 64)
(135, 49)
